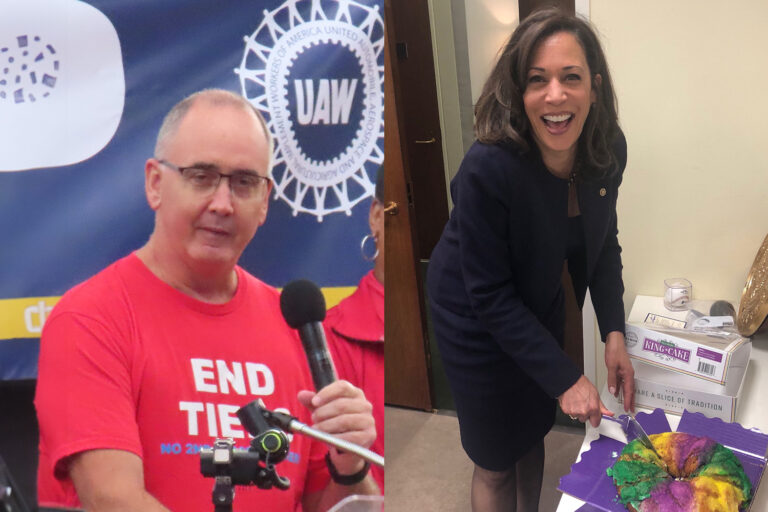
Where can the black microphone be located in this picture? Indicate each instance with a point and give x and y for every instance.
(303, 307)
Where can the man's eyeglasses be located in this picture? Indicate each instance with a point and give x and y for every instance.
(243, 184)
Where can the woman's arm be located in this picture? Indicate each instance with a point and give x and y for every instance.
(607, 292)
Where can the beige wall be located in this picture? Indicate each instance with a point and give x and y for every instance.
(489, 25)
(691, 77)
(692, 81)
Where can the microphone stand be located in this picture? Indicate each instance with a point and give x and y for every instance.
(289, 423)
(231, 467)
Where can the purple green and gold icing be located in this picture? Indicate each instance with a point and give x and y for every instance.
(690, 474)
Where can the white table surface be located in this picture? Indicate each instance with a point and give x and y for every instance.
(751, 412)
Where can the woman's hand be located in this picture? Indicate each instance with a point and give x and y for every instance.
(582, 402)
(621, 375)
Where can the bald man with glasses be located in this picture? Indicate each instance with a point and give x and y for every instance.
(146, 363)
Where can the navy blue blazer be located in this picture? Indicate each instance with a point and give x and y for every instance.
(500, 258)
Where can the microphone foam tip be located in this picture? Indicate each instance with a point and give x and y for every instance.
(302, 302)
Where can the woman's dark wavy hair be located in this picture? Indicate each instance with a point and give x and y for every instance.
(500, 114)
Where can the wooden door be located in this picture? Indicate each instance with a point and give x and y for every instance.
(406, 373)
(415, 93)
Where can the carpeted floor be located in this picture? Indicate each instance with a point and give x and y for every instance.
(427, 471)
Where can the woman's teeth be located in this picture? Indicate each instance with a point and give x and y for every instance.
(558, 118)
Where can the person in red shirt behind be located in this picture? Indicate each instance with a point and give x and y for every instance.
(355, 327)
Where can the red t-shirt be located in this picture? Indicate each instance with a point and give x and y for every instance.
(355, 332)
(127, 362)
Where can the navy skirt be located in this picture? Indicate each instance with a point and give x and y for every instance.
(502, 412)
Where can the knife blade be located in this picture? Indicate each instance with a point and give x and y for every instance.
(633, 430)
(637, 430)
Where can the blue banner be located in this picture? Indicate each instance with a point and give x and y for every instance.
(83, 89)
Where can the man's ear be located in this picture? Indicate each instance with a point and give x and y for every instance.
(152, 178)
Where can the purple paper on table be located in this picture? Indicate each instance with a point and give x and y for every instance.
(589, 482)
(653, 422)
(588, 508)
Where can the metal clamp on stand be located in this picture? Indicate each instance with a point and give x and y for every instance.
(223, 490)
(291, 424)
(232, 466)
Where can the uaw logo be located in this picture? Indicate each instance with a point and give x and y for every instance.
(315, 69)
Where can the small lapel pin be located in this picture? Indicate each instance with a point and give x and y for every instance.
(602, 192)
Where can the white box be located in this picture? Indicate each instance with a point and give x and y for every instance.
(692, 355)
(687, 352)
(675, 392)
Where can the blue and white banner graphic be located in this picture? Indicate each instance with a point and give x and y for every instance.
(83, 89)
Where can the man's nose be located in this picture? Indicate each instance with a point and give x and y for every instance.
(221, 201)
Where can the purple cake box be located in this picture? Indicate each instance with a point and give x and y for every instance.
(589, 482)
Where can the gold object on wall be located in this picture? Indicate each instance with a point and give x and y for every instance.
(753, 310)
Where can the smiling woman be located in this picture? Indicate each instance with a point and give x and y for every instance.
(538, 187)
(502, 114)
(557, 99)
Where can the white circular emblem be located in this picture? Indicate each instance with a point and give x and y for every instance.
(315, 69)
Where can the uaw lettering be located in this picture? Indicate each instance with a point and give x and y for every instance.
(315, 69)
(331, 104)
(666, 349)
